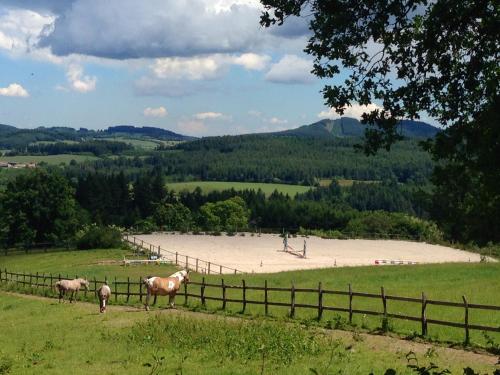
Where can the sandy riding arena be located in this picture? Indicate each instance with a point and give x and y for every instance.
(265, 253)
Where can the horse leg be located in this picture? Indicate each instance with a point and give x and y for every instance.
(60, 295)
(171, 300)
(148, 294)
(154, 301)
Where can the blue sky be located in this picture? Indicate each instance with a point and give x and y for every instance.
(203, 67)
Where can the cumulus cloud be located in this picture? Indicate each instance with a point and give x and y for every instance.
(252, 61)
(205, 67)
(355, 111)
(208, 115)
(155, 112)
(14, 90)
(291, 69)
(160, 28)
(20, 29)
(197, 68)
(78, 81)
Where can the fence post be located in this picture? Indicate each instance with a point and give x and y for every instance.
(95, 286)
(424, 315)
(223, 295)
(202, 292)
(209, 268)
(128, 289)
(384, 301)
(292, 301)
(187, 262)
(244, 295)
(266, 307)
(185, 294)
(197, 265)
(116, 291)
(320, 301)
(466, 320)
(176, 258)
(350, 304)
(220, 270)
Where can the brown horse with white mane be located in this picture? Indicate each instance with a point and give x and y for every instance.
(72, 286)
(163, 286)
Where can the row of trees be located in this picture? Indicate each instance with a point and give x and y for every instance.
(272, 159)
(45, 207)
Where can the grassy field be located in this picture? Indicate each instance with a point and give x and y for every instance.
(45, 337)
(208, 186)
(49, 159)
(343, 182)
(448, 282)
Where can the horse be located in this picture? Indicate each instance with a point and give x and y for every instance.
(72, 286)
(103, 293)
(162, 286)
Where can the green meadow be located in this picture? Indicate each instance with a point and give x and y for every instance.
(49, 159)
(448, 282)
(41, 336)
(208, 186)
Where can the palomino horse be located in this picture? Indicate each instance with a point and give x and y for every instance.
(72, 286)
(103, 293)
(162, 286)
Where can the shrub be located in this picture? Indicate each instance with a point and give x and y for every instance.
(96, 237)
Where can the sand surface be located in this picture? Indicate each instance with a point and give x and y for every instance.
(265, 253)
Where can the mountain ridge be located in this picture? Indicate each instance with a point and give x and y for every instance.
(350, 127)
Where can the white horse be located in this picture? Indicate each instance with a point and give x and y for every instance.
(104, 294)
(163, 286)
(72, 286)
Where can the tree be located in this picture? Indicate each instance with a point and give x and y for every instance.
(408, 57)
(411, 56)
(38, 207)
(173, 216)
(231, 215)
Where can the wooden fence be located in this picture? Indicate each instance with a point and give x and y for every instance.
(181, 260)
(218, 292)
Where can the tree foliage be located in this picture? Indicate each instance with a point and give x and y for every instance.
(38, 207)
(411, 56)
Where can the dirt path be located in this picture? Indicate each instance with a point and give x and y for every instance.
(377, 343)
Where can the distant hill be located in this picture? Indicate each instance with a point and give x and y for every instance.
(350, 127)
(6, 129)
(16, 138)
(148, 131)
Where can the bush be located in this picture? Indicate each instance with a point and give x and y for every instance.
(96, 237)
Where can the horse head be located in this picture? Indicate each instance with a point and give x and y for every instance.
(85, 283)
(186, 276)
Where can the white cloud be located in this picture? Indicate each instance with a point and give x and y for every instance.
(79, 82)
(276, 121)
(15, 90)
(291, 69)
(252, 61)
(208, 115)
(161, 28)
(155, 112)
(355, 111)
(198, 68)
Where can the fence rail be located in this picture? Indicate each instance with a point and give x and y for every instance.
(182, 260)
(198, 290)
